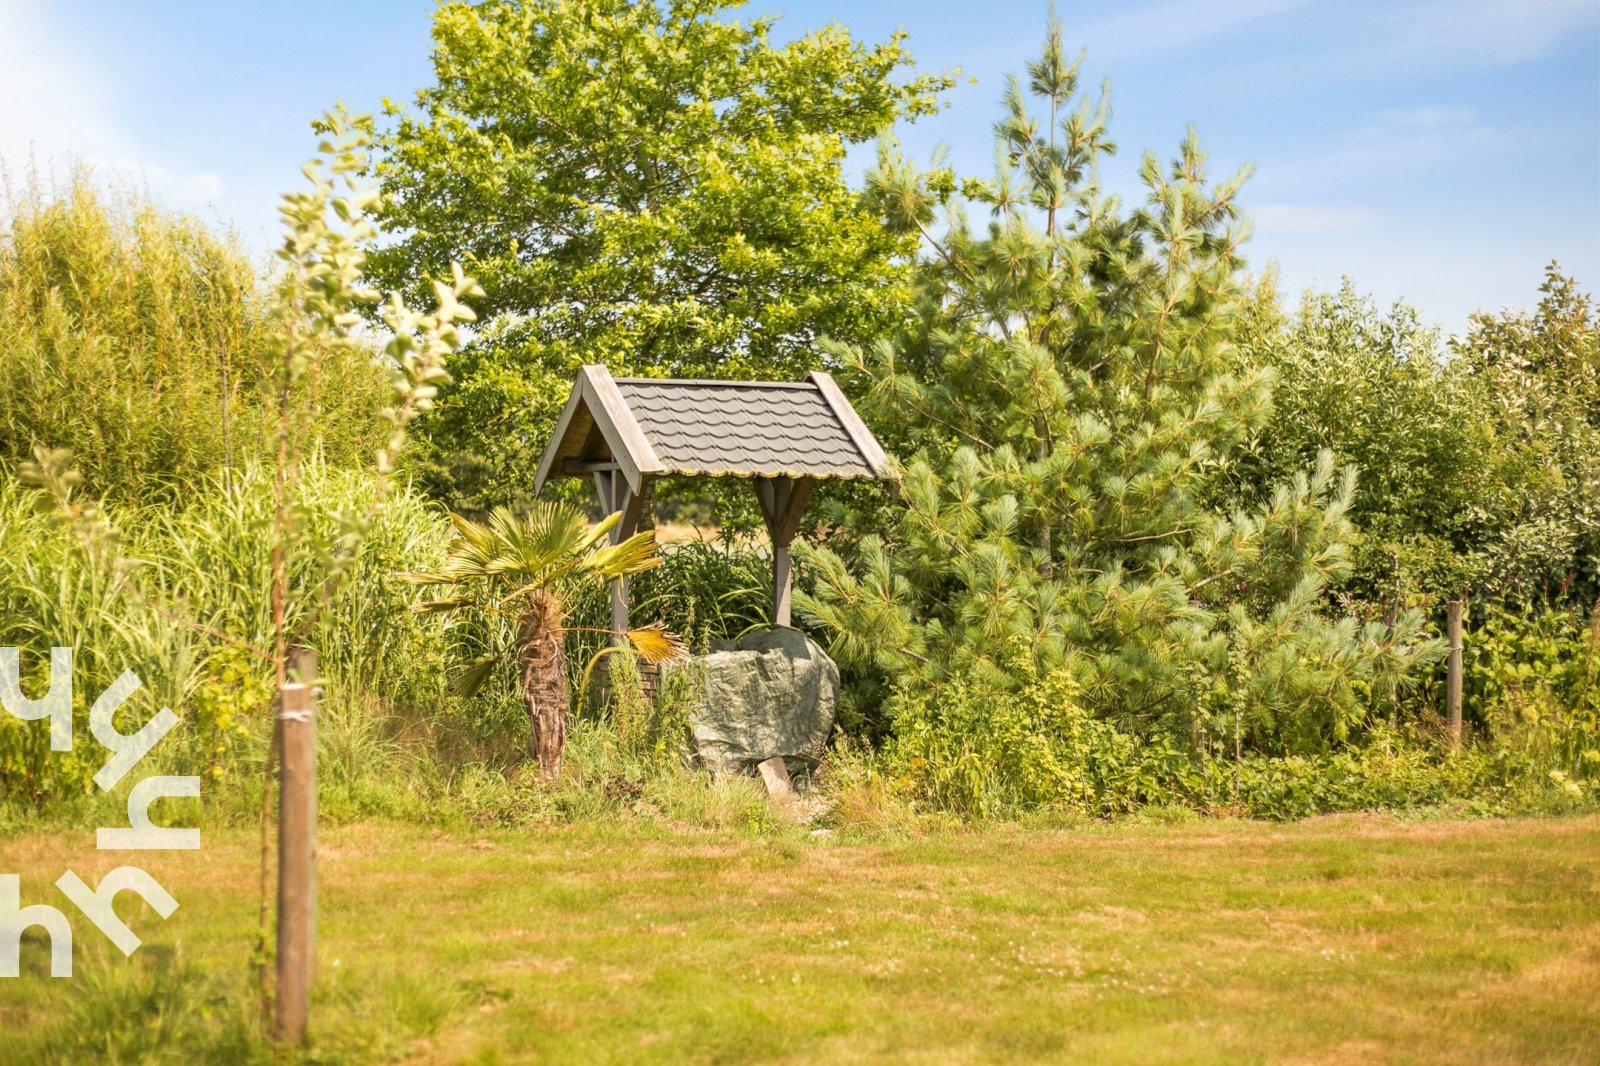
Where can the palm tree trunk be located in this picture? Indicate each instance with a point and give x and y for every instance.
(544, 680)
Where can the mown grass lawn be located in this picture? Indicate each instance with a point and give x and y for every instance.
(1339, 940)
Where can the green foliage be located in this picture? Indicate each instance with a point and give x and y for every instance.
(143, 342)
(641, 184)
(519, 566)
(701, 591)
(1541, 370)
(977, 751)
(968, 748)
(1478, 465)
(651, 728)
(231, 697)
(193, 616)
(199, 594)
(1374, 390)
(1533, 684)
(1074, 385)
(707, 591)
(52, 595)
(395, 741)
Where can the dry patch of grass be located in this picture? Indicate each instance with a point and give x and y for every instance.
(1332, 940)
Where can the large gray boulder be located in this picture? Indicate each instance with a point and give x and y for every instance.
(774, 692)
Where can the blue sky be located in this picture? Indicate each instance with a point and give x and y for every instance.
(1439, 151)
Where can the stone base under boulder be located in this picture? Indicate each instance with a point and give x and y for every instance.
(771, 693)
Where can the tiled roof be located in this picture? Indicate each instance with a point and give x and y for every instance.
(760, 429)
(743, 428)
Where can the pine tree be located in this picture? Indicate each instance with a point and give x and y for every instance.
(1069, 404)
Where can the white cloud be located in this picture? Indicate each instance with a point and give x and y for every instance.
(60, 111)
(1311, 218)
(1484, 32)
(1172, 26)
(1398, 144)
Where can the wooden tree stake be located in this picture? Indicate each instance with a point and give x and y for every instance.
(1453, 690)
(297, 847)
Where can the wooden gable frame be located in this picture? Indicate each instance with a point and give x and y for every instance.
(598, 435)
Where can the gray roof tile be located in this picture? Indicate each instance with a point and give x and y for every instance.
(746, 428)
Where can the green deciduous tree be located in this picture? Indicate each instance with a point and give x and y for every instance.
(1479, 461)
(1374, 388)
(641, 184)
(1541, 373)
(1075, 387)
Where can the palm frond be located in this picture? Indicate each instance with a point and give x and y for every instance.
(634, 555)
(470, 682)
(418, 577)
(510, 557)
(655, 645)
(442, 605)
(549, 543)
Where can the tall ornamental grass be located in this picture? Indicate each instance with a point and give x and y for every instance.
(140, 339)
(186, 609)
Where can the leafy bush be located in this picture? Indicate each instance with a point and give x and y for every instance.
(1533, 684)
(1478, 463)
(1375, 390)
(970, 749)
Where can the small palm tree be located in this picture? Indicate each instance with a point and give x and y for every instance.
(526, 568)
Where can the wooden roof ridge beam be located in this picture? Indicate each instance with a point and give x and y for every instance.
(596, 392)
(859, 434)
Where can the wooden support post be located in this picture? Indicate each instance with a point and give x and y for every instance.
(297, 847)
(1453, 610)
(617, 495)
(782, 576)
(783, 501)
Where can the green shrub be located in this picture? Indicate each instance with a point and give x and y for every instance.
(970, 749)
(1533, 683)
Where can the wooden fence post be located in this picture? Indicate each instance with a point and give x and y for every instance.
(297, 847)
(1453, 689)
